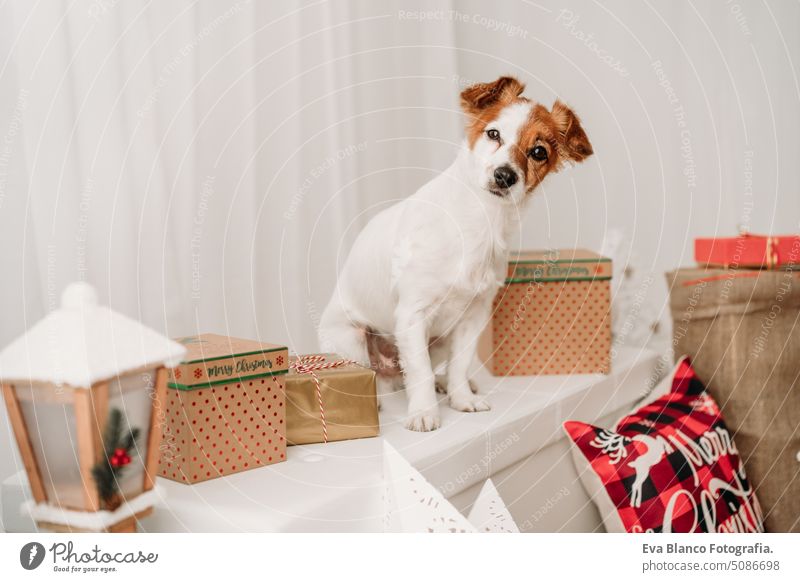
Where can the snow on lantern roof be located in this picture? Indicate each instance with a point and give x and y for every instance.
(83, 343)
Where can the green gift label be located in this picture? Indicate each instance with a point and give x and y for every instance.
(569, 269)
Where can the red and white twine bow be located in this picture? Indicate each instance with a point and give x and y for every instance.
(310, 364)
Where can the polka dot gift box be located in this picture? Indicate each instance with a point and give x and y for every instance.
(553, 316)
(226, 409)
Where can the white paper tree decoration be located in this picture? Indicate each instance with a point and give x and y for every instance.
(414, 505)
(489, 514)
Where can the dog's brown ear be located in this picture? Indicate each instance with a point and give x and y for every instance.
(483, 95)
(573, 143)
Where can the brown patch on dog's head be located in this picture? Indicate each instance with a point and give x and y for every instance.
(559, 132)
(483, 102)
(574, 144)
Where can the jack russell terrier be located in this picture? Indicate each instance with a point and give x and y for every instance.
(416, 290)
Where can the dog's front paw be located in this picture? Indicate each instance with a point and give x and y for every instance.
(469, 403)
(423, 421)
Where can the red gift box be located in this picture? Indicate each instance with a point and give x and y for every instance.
(749, 250)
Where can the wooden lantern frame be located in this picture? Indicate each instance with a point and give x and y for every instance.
(91, 414)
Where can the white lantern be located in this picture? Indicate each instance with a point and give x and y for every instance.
(85, 392)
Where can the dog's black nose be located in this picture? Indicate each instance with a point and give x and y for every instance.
(505, 177)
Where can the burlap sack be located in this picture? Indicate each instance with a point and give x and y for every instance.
(742, 331)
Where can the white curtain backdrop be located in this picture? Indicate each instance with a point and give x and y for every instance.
(202, 163)
(206, 163)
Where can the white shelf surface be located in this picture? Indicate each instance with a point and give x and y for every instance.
(339, 486)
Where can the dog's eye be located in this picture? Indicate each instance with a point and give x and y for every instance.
(538, 153)
(493, 135)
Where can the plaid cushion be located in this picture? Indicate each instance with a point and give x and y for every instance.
(672, 465)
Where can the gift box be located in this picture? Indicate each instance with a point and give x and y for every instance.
(740, 329)
(552, 316)
(329, 399)
(748, 250)
(226, 408)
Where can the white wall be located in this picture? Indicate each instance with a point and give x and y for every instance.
(174, 154)
(740, 106)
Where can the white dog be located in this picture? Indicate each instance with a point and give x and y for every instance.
(420, 278)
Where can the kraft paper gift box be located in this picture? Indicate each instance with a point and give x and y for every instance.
(226, 408)
(329, 399)
(552, 316)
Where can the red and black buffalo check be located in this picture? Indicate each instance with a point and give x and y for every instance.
(672, 466)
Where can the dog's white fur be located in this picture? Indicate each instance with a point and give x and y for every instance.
(429, 267)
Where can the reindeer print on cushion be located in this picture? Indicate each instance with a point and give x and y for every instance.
(671, 466)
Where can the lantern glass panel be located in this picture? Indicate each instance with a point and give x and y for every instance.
(50, 419)
(132, 394)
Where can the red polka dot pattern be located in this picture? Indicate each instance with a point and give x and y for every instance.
(215, 431)
(558, 327)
